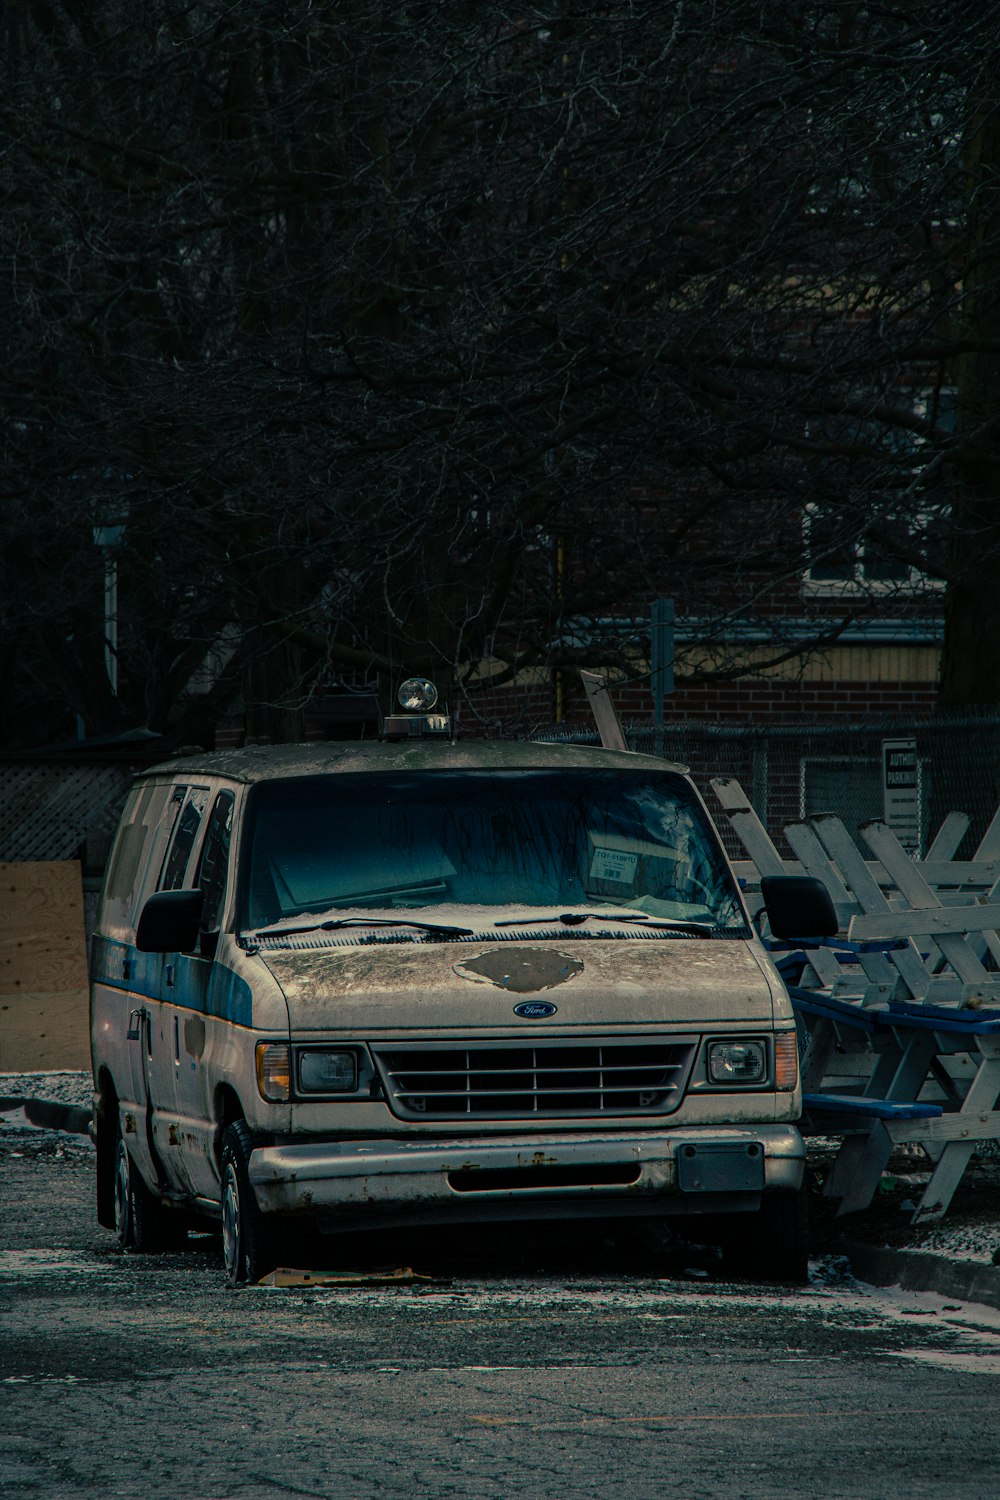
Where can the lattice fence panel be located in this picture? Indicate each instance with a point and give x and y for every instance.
(50, 811)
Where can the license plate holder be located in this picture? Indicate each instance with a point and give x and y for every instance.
(720, 1167)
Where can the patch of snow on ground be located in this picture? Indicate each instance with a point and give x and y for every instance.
(75, 1088)
(968, 1241)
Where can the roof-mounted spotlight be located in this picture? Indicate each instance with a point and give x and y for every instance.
(417, 695)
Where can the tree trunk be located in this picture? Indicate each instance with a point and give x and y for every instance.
(970, 673)
(967, 772)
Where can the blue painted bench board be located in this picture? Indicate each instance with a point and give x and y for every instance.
(879, 1109)
(898, 1015)
(964, 1022)
(847, 1011)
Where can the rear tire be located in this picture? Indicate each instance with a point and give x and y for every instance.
(249, 1243)
(106, 1139)
(773, 1243)
(142, 1223)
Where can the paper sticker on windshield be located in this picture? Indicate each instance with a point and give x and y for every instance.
(614, 865)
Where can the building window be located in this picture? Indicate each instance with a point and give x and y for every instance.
(851, 548)
(840, 560)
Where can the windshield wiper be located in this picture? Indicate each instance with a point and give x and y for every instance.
(440, 929)
(576, 918)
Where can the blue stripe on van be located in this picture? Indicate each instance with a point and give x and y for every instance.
(198, 984)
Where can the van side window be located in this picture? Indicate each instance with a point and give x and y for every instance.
(214, 860)
(124, 863)
(176, 863)
(147, 824)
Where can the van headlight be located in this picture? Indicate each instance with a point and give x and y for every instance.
(327, 1070)
(737, 1062)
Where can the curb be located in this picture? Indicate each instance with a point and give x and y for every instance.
(48, 1115)
(917, 1271)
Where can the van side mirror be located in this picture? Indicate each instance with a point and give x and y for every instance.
(170, 922)
(798, 906)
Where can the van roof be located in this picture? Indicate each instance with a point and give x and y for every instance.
(321, 758)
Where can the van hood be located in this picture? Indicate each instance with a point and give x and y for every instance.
(648, 982)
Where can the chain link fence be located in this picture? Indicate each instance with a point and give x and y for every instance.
(788, 770)
(792, 771)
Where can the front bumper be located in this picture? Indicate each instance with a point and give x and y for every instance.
(348, 1184)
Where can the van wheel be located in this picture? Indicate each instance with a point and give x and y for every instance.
(142, 1223)
(249, 1243)
(773, 1243)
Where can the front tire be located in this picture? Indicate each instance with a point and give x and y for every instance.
(249, 1243)
(773, 1243)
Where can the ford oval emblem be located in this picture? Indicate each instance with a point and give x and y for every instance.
(535, 1010)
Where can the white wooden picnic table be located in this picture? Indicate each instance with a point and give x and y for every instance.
(913, 1015)
(921, 1041)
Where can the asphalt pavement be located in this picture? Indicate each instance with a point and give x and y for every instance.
(536, 1366)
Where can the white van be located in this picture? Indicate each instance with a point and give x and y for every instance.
(383, 984)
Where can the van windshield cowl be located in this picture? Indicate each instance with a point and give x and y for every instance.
(294, 929)
(579, 847)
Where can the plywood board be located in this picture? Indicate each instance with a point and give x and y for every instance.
(43, 967)
(44, 1032)
(42, 942)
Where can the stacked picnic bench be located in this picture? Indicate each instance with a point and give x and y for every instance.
(899, 1011)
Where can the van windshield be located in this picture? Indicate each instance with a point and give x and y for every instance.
(529, 842)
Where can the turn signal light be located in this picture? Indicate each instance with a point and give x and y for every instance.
(786, 1061)
(274, 1075)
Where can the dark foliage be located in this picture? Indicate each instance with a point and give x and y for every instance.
(434, 336)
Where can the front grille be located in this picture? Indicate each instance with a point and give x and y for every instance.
(501, 1081)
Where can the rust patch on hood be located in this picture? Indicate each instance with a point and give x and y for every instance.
(520, 971)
